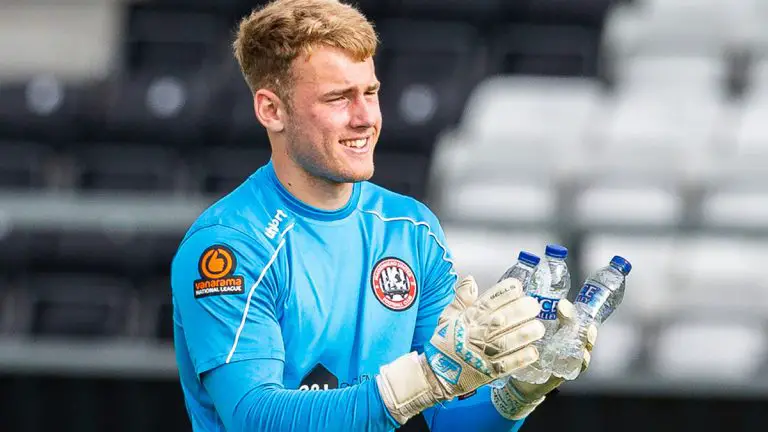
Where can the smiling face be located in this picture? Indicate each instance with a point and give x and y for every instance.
(333, 120)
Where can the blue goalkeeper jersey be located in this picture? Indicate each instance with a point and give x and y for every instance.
(331, 295)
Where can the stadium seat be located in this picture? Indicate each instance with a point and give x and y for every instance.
(222, 169)
(128, 167)
(23, 165)
(514, 114)
(522, 108)
(737, 195)
(676, 28)
(544, 49)
(486, 253)
(41, 107)
(129, 254)
(404, 173)
(619, 349)
(164, 327)
(21, 249)
(427, 69)
(660, 128)
(449, 9)
(500, 201)
(171, 40)
(638, 202)
(720, 276)
(505, 162)
(155, 107)
(694, 350)
(505, 157)
(477, 182)
(663, 105)
(78, 305)
(156, 307)
(235, 117)
(15, 312)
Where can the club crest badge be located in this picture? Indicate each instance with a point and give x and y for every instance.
(394, 284)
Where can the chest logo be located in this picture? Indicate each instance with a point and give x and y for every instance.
(394, 284)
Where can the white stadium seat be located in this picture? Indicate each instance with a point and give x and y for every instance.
(728, 351)
(524, 110)
(677, 27)
(720, 275)
(505, 159)
(486, 253)
(619, 345)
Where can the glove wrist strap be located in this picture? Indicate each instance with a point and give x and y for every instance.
(511, 404)
(405, 387)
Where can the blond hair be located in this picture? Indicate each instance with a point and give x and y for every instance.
(271, 37)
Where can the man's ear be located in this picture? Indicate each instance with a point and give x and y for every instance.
(269, 110)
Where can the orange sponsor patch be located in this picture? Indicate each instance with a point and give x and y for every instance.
(216, 266)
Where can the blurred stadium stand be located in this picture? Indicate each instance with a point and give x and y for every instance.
(632, 127)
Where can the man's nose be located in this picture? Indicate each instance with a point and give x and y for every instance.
(364, 113)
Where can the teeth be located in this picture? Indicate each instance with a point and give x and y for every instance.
(359, 143)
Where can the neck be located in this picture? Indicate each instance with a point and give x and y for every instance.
(311, 190)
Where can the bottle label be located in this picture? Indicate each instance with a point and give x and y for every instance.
(593, 297)
(548, 306)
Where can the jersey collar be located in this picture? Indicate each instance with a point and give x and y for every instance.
(300, 208)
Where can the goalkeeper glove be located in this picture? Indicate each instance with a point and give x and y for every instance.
(477, 340)
(517, 398)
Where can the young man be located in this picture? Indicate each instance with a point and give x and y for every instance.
(311, 300)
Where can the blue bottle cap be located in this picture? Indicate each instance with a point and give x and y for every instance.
(556, 251)
(621, 265)
(528, 258)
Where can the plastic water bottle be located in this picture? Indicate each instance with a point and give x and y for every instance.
(600, 295)
(551, 282)
(523, 271)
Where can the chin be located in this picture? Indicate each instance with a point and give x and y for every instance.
(355, 174)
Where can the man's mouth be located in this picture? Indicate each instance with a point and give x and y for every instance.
(357, 144)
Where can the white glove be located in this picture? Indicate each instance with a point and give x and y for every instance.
(477, 340)
(517, 399)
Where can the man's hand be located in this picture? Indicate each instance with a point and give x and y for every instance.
(477, 340)
(517, 398)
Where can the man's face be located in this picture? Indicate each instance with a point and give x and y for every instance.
(334, 121)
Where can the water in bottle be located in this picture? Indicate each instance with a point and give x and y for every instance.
(551, 282)
(523, 271)
(600, 295)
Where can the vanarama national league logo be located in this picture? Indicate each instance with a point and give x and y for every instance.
(394, 284)
(216, 266)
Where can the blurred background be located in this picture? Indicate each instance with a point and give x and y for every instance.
(637, 128)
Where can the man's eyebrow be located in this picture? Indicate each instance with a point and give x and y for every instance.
(350, 89)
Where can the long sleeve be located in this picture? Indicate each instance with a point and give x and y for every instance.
(249, 397)
(476, 412)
